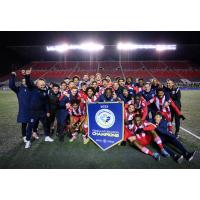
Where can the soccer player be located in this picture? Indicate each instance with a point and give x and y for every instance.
(175, 94)
(142, 135)
(108, 96)
(148, 93)
(77, 113)
(126, 96)
(118, 90)
(23, 96)
(82, 91)
(39, 108)
(162, 105)
(168, 138)
(95, 86)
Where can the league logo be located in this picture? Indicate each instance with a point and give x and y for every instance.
(105, 118)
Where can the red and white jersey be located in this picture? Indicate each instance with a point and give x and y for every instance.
(81, 111)
(90, 100)
(129, 117)
(146, 126)
(82, 94)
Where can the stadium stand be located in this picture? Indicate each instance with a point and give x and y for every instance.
(57, 70)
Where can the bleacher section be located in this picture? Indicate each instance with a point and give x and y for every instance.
(57, 70)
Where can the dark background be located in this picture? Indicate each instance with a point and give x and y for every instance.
(20, 48)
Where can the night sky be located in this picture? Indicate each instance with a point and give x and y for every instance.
(24, 47)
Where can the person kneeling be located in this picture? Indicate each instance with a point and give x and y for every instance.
(77, 121)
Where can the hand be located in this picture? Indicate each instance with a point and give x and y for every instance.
(23, 72)
(166, 104)
(48, 114)
(67, 105)
(13, 73)
(28, 72)
(182, 117)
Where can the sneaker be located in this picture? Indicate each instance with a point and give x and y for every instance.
(190, 156)
(35, 136)
(24, 139)
(85, 140)
(74, 137)
(165, 153)
(156, 156)
(28, 145)
(48, 139)
(178, 158)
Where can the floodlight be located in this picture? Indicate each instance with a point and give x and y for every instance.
(91, 46)
(131, 46)
(59, 48)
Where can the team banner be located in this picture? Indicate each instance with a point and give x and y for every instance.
(105, 123)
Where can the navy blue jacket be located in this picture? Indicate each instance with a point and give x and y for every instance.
(23, 96)
(39, 100)
(103, 98)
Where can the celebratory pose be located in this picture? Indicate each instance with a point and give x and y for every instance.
(162, 104)
(23, 96)
(39, 108)
(142, 135)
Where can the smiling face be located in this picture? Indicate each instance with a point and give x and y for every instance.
(90, 92)
(41, 84)
(131, 108)
(74, 91)
(138, 121)
(63, 86)
(160, 94)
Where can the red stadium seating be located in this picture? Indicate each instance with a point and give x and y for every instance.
(58, 70)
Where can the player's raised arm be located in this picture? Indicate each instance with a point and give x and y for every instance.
(12, 84)
(27, 74)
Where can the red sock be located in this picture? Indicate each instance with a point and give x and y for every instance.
(158, 141)
(147, 151)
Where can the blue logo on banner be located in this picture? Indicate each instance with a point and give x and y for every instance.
(105, 123)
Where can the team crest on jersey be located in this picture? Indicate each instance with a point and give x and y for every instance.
(105, 118)
(32, 120)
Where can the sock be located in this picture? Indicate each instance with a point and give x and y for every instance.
(158, 141)
(147, 151)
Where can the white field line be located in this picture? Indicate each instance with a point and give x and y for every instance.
(190, 133)
(194, 135)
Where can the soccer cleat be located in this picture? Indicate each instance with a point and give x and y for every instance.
(178, 158)
(74, 137)
(189, 157)
(123, 143)
(164, 153)
(156, 156)
(48, 139)
(24, 139)
(35, 136)
(28, 145)
(85, 140)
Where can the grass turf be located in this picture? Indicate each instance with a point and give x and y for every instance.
(77, 155)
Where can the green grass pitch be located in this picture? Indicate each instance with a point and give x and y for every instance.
(76, 155)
